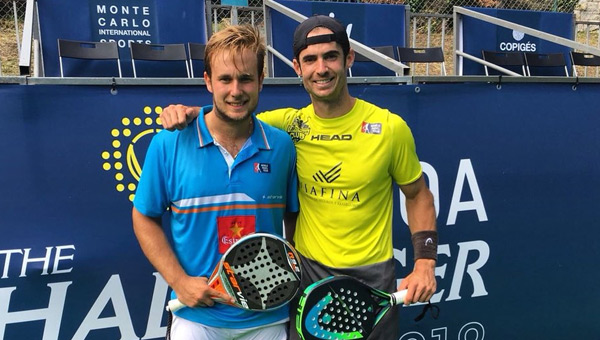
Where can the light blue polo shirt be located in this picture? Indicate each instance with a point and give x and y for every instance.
(212, 204)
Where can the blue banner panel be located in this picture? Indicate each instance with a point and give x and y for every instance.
(515, 173)
(479, 35)
(143, 21)
(386, 25)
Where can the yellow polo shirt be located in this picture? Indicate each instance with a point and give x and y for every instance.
(345, 171)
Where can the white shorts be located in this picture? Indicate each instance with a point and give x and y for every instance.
(182, 329)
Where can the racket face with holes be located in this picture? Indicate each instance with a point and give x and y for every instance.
(260, 271)
(340, 307)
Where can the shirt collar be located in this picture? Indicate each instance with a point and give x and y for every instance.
(258, 137)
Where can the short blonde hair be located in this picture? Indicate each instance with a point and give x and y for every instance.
(235, 38)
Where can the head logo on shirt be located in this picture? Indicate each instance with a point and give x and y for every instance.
(129, 140)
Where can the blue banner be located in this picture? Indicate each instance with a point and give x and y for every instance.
(136, 21)
(386, 25)
(479, 35)
(143, 21)
(515, 173)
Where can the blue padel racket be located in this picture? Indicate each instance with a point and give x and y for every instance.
(341, 307)
(260, 271)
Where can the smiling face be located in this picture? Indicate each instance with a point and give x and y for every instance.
(323, 68)
(235, 84)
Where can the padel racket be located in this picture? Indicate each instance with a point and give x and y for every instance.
(341, 307)
(260, 271)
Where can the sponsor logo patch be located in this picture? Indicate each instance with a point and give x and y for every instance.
(232, 228)
(329, 175)
(262, 168)
(371, 128)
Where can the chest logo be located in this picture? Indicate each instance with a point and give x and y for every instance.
(331, 137)
(371, 128)
(262, 167)
(330, 175)
(232, 228)
(298, 130)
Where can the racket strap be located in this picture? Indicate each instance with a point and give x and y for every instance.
(434, 310)
(169, 323)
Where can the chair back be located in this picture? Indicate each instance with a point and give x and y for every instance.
(506, 60)
(196, 55)
(422, 55)
(158, 52)
(88, 50)
(364, 66)
(385, 50)
(546, 61)
(584, 59)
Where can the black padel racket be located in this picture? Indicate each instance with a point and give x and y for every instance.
(341, 307)
(260, 271)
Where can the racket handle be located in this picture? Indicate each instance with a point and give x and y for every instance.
(398, 297)
(174, 305)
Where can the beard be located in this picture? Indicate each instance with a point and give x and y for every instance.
(222, 115)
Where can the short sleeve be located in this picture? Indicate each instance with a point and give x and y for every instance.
(405, 167)
(151, 197)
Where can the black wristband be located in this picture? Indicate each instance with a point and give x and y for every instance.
(425, 244)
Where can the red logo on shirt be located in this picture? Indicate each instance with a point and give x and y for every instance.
(232, 228)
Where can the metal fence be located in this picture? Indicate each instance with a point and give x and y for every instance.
(431, 22)
(445, 6)
(218, 14)
(12, 15)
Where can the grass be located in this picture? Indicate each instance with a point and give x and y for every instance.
(9, 56)
(435, 39)
(590, 39)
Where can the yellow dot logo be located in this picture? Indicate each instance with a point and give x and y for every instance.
(121, 158)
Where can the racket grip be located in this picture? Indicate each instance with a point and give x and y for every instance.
(174, 305)
(398, 297)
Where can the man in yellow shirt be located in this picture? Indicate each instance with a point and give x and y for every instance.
(348, 153)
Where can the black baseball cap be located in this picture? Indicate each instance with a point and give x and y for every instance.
(339, 34)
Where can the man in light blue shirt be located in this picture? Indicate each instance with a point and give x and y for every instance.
(226, 175)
